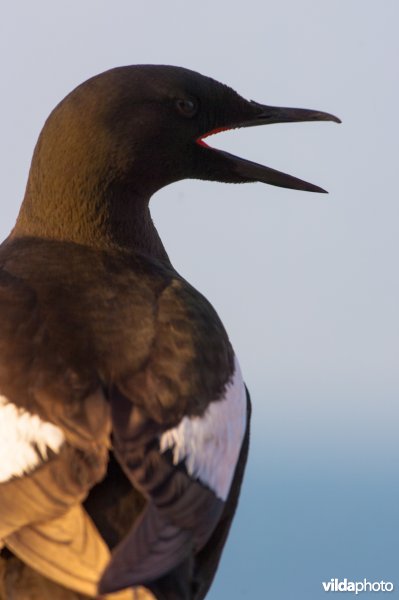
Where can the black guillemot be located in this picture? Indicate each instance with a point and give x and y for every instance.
(124, 418)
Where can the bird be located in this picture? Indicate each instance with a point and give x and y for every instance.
(124, 416)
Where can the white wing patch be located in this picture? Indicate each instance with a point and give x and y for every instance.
(24, 440)
(210, 445)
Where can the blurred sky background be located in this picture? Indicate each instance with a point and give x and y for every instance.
(306, 284)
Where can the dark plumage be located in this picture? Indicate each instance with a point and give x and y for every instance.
(119, 387)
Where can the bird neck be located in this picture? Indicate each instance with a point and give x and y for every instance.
(111, 217)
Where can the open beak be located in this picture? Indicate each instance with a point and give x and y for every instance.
(245, 170)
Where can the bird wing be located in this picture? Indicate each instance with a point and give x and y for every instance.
(178, 427)
(175, 546)
(207, 560)
(54, 443)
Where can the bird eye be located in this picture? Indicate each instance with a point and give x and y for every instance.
(186, 107)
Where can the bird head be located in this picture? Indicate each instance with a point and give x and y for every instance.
(145, 126)
(122, 135)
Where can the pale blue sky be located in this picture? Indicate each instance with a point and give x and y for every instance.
(307, 285)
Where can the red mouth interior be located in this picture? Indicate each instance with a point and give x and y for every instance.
(200, 140)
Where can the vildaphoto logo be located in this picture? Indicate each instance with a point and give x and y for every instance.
(344, 585)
